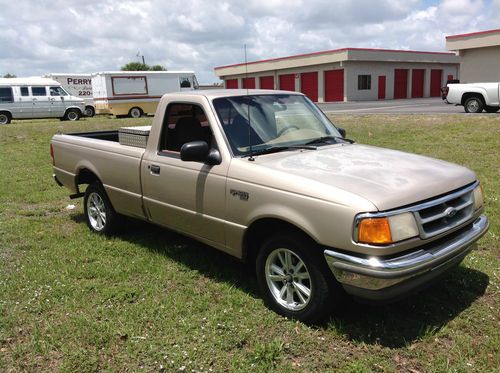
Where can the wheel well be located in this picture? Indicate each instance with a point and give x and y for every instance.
(72, 109)
(85, 176)
(468, 95)
(260, 230)
(136, 107)
(8, 113)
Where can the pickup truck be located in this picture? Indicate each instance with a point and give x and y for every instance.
(266, 177)
(475, 97)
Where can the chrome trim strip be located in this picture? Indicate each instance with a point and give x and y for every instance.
(413, 209)
(377, 272)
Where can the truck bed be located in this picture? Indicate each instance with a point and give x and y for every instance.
(110, 135)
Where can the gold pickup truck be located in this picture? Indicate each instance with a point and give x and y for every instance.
(266, 177)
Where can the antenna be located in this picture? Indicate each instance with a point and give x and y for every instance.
(251, 158)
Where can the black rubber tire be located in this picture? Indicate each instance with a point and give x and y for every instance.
(111, 222)
(89, 111)
(135, 112)
(326, 292)
(473, 105)
(72, 115)
(491, 109)
(5, 118)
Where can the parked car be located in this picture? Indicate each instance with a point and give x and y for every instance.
(475, 97)
(28, 98)
(266, 177)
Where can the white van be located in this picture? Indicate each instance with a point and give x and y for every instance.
(78, 85)
(135, 93)
(28, 98)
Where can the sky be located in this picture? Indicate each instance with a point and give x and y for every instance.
(74, 36)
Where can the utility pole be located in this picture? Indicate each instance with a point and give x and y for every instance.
(141, 55)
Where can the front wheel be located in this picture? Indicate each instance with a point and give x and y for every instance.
(473, 105)
(294, 278)
(89, 111)
(99, 213)
(72, 115)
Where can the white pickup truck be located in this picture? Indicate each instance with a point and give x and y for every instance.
(475, 97)
(266, 177)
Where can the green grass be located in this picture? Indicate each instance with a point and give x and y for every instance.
(150, 300)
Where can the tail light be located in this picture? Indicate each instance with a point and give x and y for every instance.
(52, 155)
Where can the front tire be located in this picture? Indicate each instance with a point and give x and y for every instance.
(72, 115)
(135, 112)
(5, 118)
(100, 216)
(89, 111)
(294, 278)
(473, 105)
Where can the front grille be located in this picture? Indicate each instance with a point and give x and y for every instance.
(445, 214)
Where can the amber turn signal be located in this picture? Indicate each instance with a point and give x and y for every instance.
(374, 231)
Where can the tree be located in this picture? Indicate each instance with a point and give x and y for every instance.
(139, 66)
(9, 75)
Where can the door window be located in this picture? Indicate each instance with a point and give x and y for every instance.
(38, 91)
(184, 123)
(57, 91)
(185, 83)
(25, 91)
(6, 94)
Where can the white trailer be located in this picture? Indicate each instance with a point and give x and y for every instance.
(79, 85)
(135, 93)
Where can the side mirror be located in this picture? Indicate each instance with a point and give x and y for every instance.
(341, 131)
(198, 151)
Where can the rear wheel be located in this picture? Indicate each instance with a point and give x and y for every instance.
(4, 118)
(72, 115)
(491, 109)
(473, 105)
(294, 278)
(89, 111)
(99, 213)
(135, 112)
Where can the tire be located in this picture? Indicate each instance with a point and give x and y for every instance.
(135, 112)
(72, 115)
(5, 118)
(491, 109)
(89, 111)
(306, 290)
(473, 105)
(100, 216)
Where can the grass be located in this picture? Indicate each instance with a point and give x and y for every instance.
(148, 299)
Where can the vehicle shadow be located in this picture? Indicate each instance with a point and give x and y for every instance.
(393, 325)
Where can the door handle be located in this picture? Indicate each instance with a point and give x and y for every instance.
(155, 169)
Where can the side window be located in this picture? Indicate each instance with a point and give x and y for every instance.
(185, 83)
(38, 91)
(364, 82)
(184, 123)
(57, 91)
(25, 91)
(6, 94)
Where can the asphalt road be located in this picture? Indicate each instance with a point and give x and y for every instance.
(411, 106)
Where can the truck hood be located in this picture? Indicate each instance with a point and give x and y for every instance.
(387, 178)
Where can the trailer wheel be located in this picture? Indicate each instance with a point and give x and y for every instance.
(294, 278)
(100, 216)
(5, 118)
(72, 115)
(135, 112)
(473, 105)
(89, 111)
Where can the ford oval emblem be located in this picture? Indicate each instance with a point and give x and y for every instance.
(450, 212)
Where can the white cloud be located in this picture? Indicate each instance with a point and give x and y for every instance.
(73, 36)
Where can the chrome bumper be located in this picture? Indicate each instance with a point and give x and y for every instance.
(374, 274)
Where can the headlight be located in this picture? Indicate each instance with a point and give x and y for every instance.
(478, 197)
(386, 230)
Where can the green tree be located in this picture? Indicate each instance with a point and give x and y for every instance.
(9, 75)
(139, 66)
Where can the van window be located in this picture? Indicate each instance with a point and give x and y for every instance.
(185, 83)
(57, 91)
(6, 94)
(25, 91)
(38, 91)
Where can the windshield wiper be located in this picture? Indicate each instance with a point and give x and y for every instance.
(277, 149)
(325, 140)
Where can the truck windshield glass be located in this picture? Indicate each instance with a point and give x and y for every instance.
(57, 91)
(275, 120)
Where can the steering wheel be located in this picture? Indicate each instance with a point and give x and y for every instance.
(288, 127)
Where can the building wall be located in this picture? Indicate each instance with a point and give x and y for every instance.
(480, 65)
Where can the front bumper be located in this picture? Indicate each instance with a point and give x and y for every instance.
(376, 278)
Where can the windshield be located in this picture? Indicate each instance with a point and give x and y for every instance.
(275, 120)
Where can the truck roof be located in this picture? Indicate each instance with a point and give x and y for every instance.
(141, 72)
(67, 74)
(34, 80)
(216, 93)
